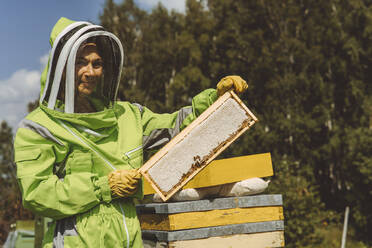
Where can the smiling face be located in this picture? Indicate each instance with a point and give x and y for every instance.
(89, 69)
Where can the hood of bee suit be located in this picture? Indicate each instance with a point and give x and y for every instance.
(61, 95)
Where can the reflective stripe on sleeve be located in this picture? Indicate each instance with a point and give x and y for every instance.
(39, 129)
(161, 136)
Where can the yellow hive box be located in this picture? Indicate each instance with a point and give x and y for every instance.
(228, 171)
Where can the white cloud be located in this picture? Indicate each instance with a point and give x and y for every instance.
(22, 87)
(44, 60)
(178, 5)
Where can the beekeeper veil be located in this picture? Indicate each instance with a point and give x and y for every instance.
(81, 47)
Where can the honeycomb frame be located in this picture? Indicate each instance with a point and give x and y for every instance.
(155, 169)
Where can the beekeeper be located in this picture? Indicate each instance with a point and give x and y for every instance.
(77, 154)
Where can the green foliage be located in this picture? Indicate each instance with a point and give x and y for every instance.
(303, 209)
(332, 236)
(11, 208)
(10, 197)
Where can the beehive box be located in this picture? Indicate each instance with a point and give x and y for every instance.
(228, 170)
(197, 145)
(237, 221)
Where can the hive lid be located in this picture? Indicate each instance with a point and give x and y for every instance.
(211, 204)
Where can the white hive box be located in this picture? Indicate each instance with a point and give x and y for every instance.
(197, 145)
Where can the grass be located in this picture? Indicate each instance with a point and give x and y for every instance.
(332, 235)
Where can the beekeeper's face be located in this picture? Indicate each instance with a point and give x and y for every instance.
(89, 69)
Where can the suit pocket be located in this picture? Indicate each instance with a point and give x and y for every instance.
(79, 161)
(26, 154)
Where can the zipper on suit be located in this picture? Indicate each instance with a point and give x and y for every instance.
(132, 151)
(107, 162)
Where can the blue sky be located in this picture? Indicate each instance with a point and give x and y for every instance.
(24, 44)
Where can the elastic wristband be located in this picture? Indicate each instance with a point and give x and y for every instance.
(104, 188)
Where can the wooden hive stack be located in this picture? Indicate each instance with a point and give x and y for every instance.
(248, 221)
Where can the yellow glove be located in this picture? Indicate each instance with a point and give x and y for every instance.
(124, 182)
(231, 82)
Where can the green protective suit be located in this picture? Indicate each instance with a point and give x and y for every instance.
(63, 158)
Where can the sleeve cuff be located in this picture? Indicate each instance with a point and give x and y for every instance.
(105, 190)
(213, 96)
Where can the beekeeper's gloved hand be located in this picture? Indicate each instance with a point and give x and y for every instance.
(124, 182)
(231, 82)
